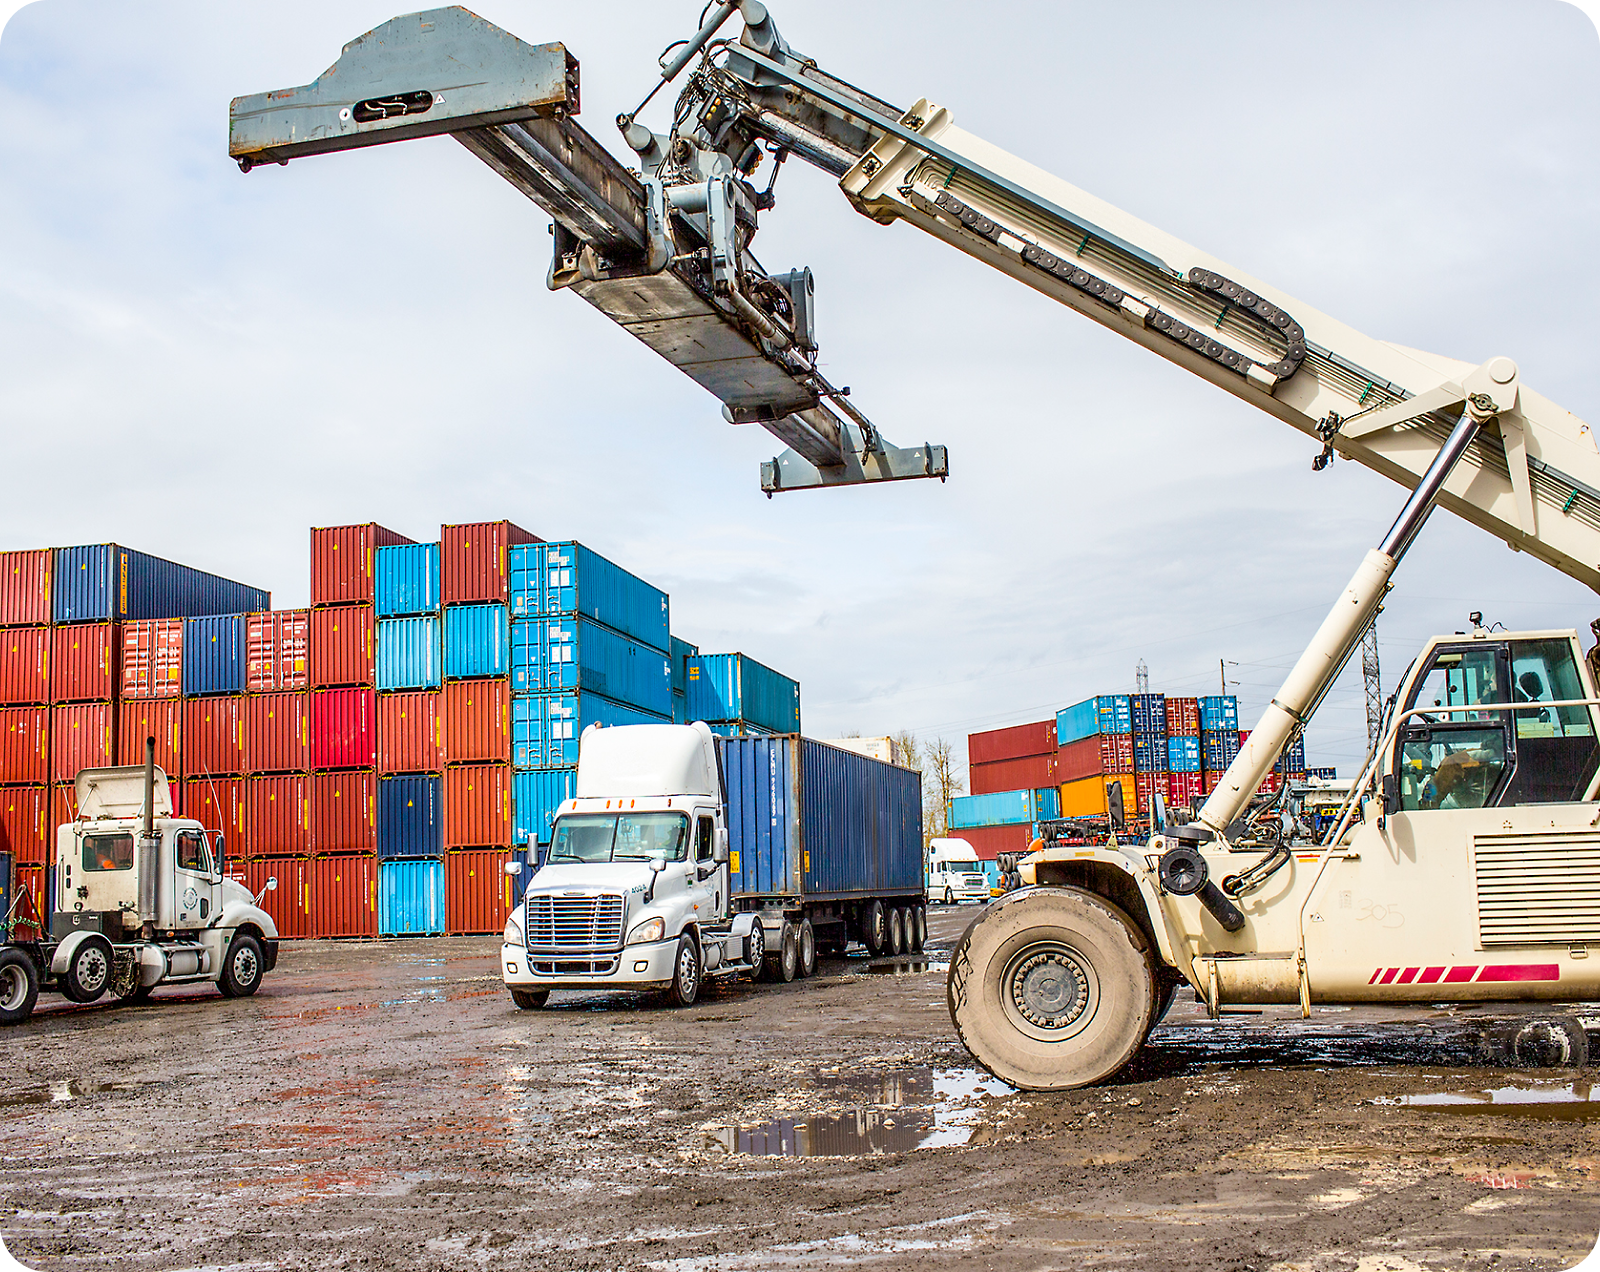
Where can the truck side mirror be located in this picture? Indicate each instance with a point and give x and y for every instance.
(513, 868)
(222, 848)
(719, 847)
(272, 884)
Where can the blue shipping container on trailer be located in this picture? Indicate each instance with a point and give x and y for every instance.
(1002, 808)
(410, 816)
(735, 687)
(1219, 712)
(1109, 713)
(477, 641)
(560, 580)
(406, 579)
(807, 819)
(408, 652)
(410, 898)
(736, 729)
(535, 796)
(107, 581)
(546, 728)
(214, 655)
(553, 654)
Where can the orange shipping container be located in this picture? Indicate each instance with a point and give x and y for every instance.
(213, 736)
(477, 807)
(25, 587)
(477, 892)
(341, 646)
(84, 661)
(277, 650)
(343, 895)
(411, 732)
(25, 824)
(24, 745)
(158, 718)
(152, 658)
(342, 561)
(477, 722)
(276, 733)
(81, 737)
(289, 903)
(24, 665)
(344, 812)
(32, 914)
(64, 804)
(217, 803)
(278, 812)
(1090, 796)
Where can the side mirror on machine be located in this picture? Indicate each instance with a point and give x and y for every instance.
(1391, 794)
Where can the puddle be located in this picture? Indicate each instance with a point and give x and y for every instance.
(1574, 1101)
(897, 1113)
(60, 1092)
(905, 967)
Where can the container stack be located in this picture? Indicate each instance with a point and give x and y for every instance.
(1095, 761)
(739, 697)
(1018, 758)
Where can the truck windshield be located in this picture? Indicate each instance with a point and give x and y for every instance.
(108, 852)
(620, 837)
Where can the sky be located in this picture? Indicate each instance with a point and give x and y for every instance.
(202, 364)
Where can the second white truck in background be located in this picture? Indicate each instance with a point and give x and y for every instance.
(954, 872)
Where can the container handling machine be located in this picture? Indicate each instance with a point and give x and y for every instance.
(1465, 864)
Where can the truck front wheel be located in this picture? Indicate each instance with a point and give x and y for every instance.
(685, 986)
(1051, 989)
(755, 951)
(19, 986)
(530, 999)
(88, 970)
(242, 967)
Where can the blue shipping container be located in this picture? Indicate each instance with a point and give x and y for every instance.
(1183, 755)
(1047, 799)
(410, 898)
(408, 652)
(1149, 712)
(1218, 712)
(1217, 749)
(1109, 713)
(561, 580)
(553, 654)
(680, 708)
(545, 729)
(410, 817)
(680, 653)
(807, 819)
(734, 687)
(1323, 774)
(1149, 753)
(477, 641)
(734, 729)
(406, 579)
(535, 796)
(214, 655)
(106, 581)
(1293, 759)
(1002, 808)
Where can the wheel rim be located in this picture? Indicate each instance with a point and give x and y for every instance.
(244, 965)
(93, 970)
(1049, 991)
(13, 988)
(688, 971)
(758, 945)
(949, 897)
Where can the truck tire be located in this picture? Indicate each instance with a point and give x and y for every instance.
(138, 994)
(897, 931)
(755, 952)
(1051, 988)
(806, 949)
(919, 918)
(88, 973)
(949, 896)
(530, 999)
(243, 966)
(784, 963)
(875, 928)
(19, 986)
(685, 987)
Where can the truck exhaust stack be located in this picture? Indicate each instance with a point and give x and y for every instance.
(149, 845)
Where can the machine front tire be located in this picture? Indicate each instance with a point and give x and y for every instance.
(88, 973)
(530, 999)
(806, 949)
(1051, 988)
(19, 986)
(243, 966)
(685, 988)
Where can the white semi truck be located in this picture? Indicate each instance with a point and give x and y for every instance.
(955, 874)
(141, 900)
(684, 857)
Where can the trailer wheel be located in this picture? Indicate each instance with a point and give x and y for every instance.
(806, 949)
(242, 967)
(919, 919)
(1051, 988)
(530, 999)
(88, 971)
(19, 986)
(897, 931)
(755, 951)
(783, 964)
(875, 929)
(685, 987)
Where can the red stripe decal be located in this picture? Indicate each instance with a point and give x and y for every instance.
(1388, 975)
(1430, 975)
(1521, 972)
(1456, 975)
(1407, 976)
(1375, 975)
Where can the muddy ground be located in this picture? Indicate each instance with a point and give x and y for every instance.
(384, 1105)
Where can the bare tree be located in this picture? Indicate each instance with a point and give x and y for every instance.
(940, 784)
(904, 751)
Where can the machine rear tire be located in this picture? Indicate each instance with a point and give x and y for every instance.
(243, 966)
(88, 972)
(897, 931)
(806, 949)
(19, 986)
(1051, 988)
(685, 988)
(530, 999)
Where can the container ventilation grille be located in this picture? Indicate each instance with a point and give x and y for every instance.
(1538, 889)
(575, 924)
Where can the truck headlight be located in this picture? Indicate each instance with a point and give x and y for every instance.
(513, 933)
(648, 931)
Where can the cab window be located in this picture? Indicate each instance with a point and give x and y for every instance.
(108, 852)
(704, 833)
(192, 854)
(1556, 746)
(1451, 767)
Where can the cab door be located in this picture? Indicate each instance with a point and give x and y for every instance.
(708, 878)
(197, 884)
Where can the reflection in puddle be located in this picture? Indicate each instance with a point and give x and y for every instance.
(905, 967)
(60, 1092)
(899, 1112)
(1575, 1100)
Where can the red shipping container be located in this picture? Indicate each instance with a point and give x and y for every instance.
(213, 735)
(1184, 788)
(32, 915)
(342, 561)
(344, 813)
(84, 662)
(1145, 786)
(25, 826)
(218, 803)
(990, 841)
(477, 807)
(341, 646)
(277, 650)
(477, 722)
(277, 735)
(342, 729)
(152, 658)
(1183, 717)
(25, 587)
(477, 892)
(278, 812)
(289, 904)
(24, 665)
(342, 895)
(411, 732)
(1013, 743)
(1013, 775)
(473, 559)
(1212, 781)
(24, 745)
(1098, 753)
(64, 803)
(151, 718)
(81, 737)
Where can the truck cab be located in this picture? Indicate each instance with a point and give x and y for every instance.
(955, 874)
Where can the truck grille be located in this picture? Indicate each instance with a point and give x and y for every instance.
(575, 924)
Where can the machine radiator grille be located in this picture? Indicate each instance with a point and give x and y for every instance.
(1538, 889)
(575, 924)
